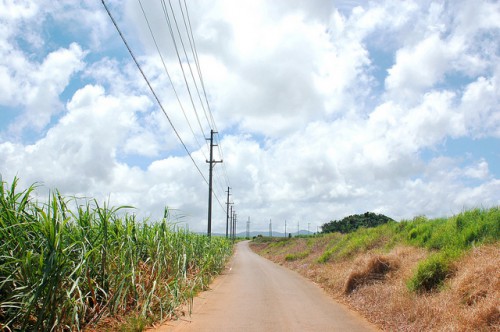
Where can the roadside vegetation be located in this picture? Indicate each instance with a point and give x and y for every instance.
(73, 264)
(414, 275)
(351, 223)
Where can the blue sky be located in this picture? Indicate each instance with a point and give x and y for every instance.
(324, 108)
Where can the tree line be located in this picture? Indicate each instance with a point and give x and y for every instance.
(353, 222)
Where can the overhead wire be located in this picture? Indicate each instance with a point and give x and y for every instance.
(169, 23)
(167, 18)
(151, 89)
(195, 57)
(189, 31)
(170, 78)
(210, 122)
(189, 62)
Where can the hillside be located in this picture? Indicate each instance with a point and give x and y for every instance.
(417, 275)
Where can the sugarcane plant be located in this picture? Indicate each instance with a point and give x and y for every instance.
(69, 262)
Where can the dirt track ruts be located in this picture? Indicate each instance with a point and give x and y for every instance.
(255, 294)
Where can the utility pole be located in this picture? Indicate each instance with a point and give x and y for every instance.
(234, 225)
(298, 228)
(231, 223)
(211, 163)
(285, 227)
(227, 211)
(270, 228)
(248, 228)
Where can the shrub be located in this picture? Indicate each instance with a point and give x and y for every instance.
(430, 273)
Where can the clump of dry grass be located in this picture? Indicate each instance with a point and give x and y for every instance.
(371, 269)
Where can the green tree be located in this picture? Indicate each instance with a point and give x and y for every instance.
(353, 222)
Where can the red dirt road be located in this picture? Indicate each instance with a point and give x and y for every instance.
(255, 294)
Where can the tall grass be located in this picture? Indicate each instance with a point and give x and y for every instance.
(63, 268)
(451, 235)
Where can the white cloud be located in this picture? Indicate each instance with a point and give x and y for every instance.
(418, 68)
(309, 129)
(480, 102)
(479, 171)
(36, 87)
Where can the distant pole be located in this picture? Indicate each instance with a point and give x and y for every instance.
(285, 227)
(234, 227)
(308, 224)
(231, 223)
(211, 163)
(270, 228)
(298, 226)
(227, 212)
(248, 228)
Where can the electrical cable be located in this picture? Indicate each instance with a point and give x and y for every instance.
(189, 31)
(167, 17)
(195, 53)
(151, 88)
(170, 78)
(189, 62)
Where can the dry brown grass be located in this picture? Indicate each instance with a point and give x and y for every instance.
(374, 284)
(476, 288)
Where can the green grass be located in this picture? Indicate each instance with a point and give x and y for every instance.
(68, 263)
(346, 245)
(430, 273)
(297, 256)
(461, 232)
(457, 233)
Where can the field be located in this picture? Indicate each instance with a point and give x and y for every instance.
(416, 275)
(73, 264)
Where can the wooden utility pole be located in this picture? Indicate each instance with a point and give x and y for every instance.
(231, 223)
(211, 163)
(234, 225)
(227, 212)
(248, 228)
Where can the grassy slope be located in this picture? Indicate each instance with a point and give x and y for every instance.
(417, 275)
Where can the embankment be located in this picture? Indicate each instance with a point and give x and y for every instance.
(419, 275)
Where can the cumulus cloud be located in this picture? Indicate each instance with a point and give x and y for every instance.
(324, 109)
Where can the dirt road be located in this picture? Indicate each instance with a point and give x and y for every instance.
(258, 295)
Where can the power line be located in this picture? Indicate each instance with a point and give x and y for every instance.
(151, 88)
(167, 18)
(195, 56)
(189, 31)
(188, 27)
(198, 64)
(169, 78)
(189, 62)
